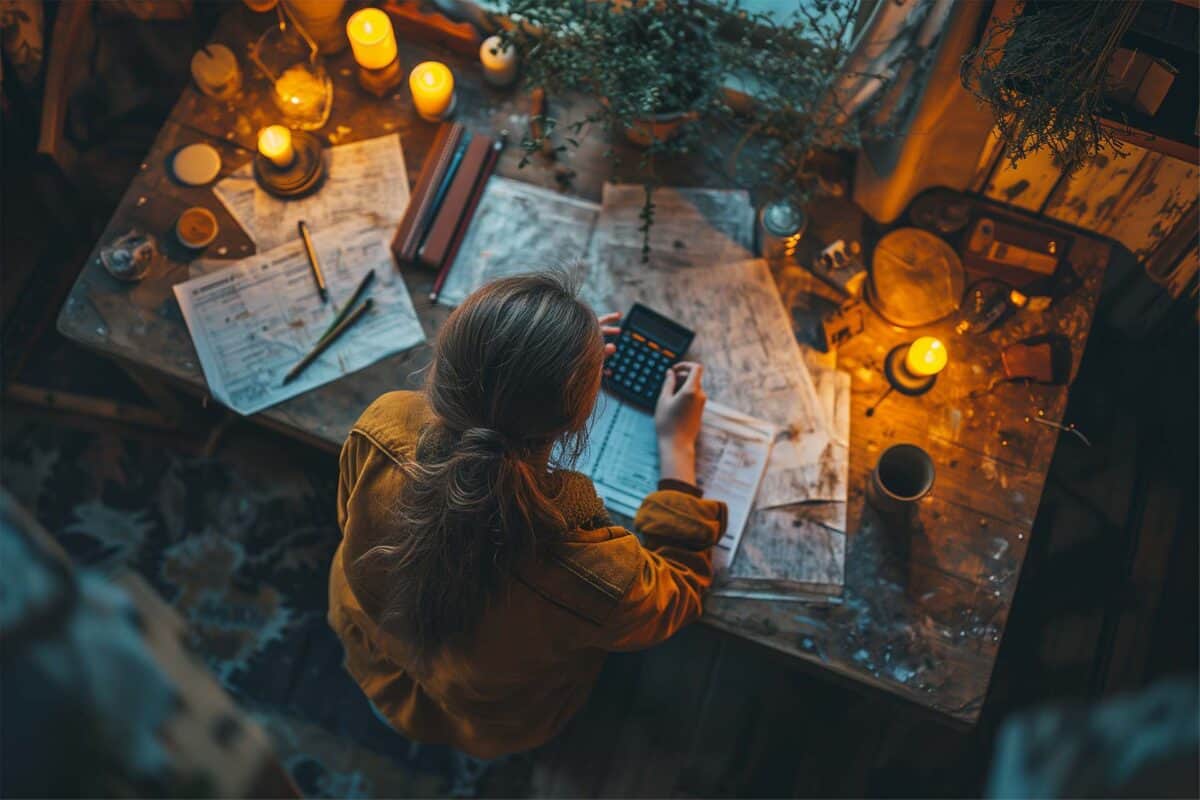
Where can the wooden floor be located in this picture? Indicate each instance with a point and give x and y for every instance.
(1107, 600)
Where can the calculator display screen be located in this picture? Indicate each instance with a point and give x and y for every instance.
(658, 329)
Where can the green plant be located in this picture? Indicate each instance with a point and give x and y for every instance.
(1043, 74)
(648, 57)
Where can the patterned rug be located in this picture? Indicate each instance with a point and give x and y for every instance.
(240, 544)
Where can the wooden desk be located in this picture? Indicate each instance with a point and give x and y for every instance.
(924, 611)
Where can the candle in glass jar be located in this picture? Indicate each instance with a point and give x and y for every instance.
(371, 38)
(926, 356)
(275, 143)
(432, 86)
(499, 62)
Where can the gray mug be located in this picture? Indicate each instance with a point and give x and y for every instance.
(903, 475)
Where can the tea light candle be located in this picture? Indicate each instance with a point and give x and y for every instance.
(275, 143)
(926, 356)
(432, 86)
(499, 62)
(371, 38)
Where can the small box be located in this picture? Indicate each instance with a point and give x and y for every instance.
(1125, 71)
(1154, 87)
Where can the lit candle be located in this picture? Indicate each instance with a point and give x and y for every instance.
(432, 87)
(275, 143)
(371, 38)
(499, 62)
(926, 356)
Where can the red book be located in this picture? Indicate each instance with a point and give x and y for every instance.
(461, 233)
(445, 224)
(415, 221)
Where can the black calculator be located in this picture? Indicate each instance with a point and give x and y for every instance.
(647, 346)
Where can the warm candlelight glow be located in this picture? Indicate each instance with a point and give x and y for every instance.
(275, 143)
(371, 38)
(926, 356)
(432, 86)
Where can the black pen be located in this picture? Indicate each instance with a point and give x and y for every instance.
(341, 315)
(332, 337)
(312, 262)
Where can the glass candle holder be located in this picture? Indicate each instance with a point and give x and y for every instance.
(300, 86)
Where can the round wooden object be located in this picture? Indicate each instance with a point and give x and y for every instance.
(299, 178)
(916, 278)
(196, 164)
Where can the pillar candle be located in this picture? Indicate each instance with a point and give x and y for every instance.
(432, 86)
(499, 65)
(926, 356)
(275, 143)
(371, 38)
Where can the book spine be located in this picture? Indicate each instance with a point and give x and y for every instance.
(433, 252)
(416, 217)
(480, 187)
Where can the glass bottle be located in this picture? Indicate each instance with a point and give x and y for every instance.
(300, 86)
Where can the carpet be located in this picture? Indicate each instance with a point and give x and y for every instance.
(240, 544)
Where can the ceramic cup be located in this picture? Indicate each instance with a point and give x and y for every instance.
(903, 476)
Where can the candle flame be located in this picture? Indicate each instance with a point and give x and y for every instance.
(429, 79)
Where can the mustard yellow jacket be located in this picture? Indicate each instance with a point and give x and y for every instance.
(536, 653)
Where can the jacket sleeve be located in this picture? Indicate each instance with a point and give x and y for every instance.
(675, 568)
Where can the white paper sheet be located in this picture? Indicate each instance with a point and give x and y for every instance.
(518, 228)
(751, 362)
(731, 454)
(366, 178)
(252, 320)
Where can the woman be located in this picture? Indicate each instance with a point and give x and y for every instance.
(478, 585)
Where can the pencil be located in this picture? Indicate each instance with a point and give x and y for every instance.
(312, 262)
(324, 343)
(341, 315)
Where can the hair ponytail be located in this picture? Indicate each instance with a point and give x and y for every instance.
(516, 371)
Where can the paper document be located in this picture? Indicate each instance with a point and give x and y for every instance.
(799, 552)
(692, 228)
(731, 453)
(518, 228)
(252, 320)
(364, 178)
(751, 361)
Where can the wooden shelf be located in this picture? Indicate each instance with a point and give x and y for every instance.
(1166, 31)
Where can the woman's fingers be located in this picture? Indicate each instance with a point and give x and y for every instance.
(691, 373)
(608, 322)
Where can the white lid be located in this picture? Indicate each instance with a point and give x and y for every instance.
(196, 164)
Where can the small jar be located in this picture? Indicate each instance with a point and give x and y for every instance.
(216, 73)
(781, 226)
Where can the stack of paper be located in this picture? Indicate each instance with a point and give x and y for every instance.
(252, 319)
(700, 272)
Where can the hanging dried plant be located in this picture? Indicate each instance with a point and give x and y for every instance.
(1043, 73)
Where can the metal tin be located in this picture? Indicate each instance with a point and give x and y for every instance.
(781, 225)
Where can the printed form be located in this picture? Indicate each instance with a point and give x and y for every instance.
(252, 320)
(731, 455)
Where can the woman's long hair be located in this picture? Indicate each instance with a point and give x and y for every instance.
(515, 373)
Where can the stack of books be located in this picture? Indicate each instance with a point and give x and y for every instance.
(447, 192)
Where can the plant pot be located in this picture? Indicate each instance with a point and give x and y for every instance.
(658, 128)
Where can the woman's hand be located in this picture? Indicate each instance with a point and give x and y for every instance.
(677, 421)
(608, 327)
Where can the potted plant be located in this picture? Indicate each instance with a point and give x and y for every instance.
(651, 64)
(661, 69)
